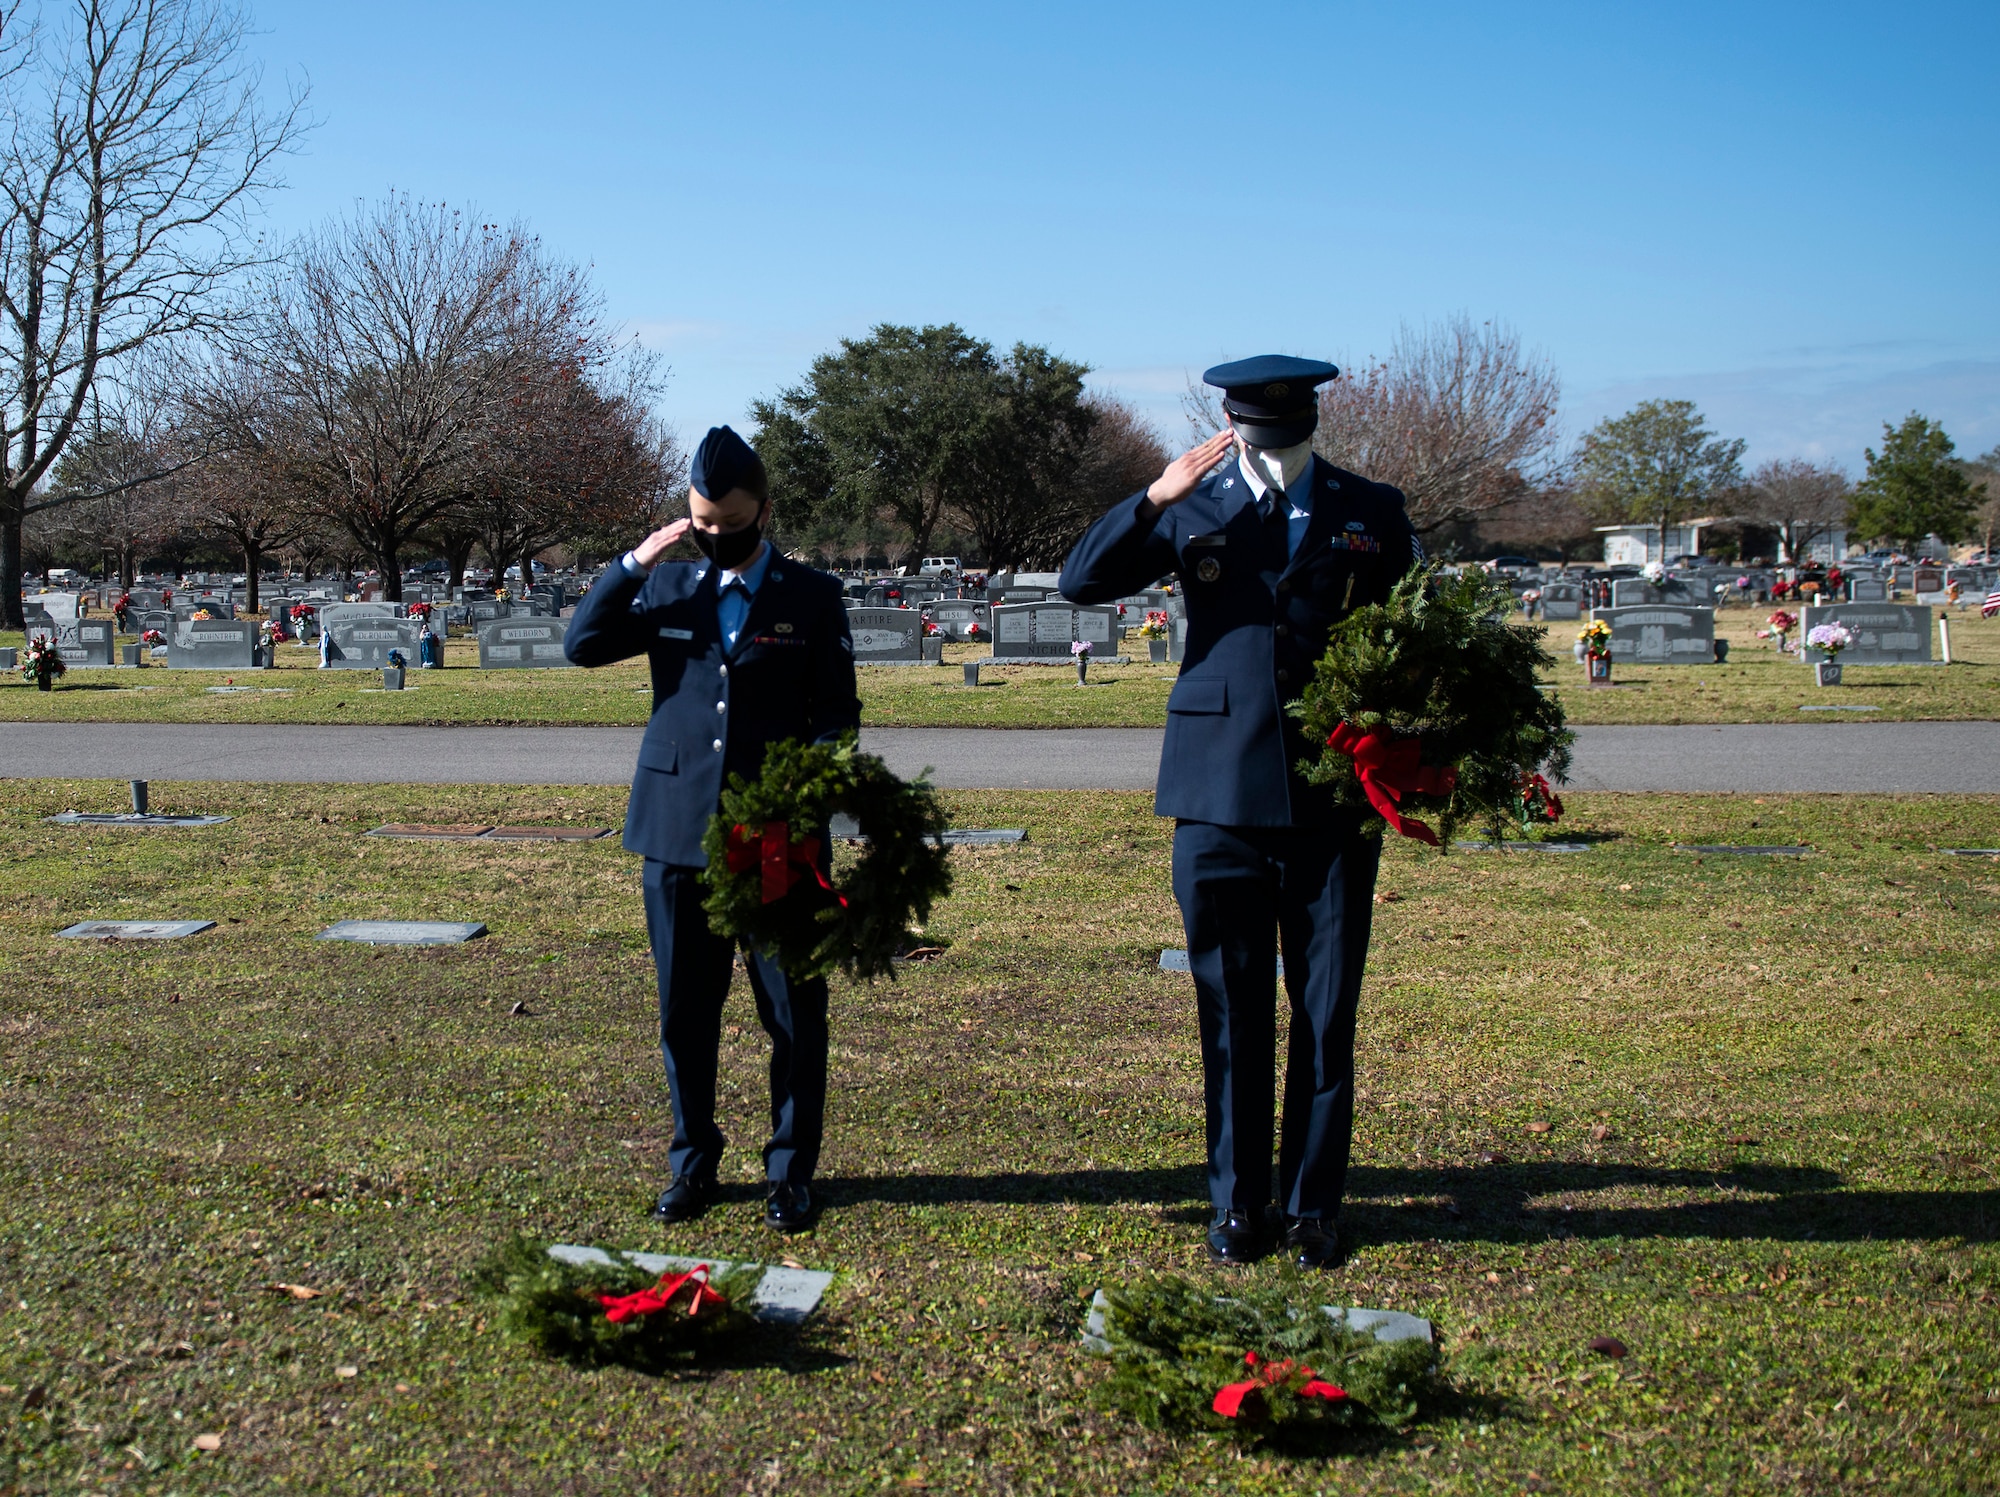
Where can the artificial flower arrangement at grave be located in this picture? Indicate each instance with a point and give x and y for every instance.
(1830, 639)
(1155, 626)
(419, 611)
(613, 1314)
(1595, 637)
(200, 613)
(771, 889)
(1255, 1366)
(1654, 573)
(153, 637)
(1781, 625)
(42, 662)
(973, 631)
(1429, 702)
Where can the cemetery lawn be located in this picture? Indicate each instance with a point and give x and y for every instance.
(1738, 1113)
(1757, 686)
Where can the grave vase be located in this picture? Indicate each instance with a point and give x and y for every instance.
(1600, 669)
(1156, 650)
(1826, 673)
(1082, 668)
(392, 678)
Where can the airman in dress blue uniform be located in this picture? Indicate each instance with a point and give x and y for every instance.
(1272, 548)
(746, 649)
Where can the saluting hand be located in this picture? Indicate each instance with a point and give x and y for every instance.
(1187, 470)
(654, 546)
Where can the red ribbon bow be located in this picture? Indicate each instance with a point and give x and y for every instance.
(1388, 770)
(783, 861)
(619, 1308)
(1533, 785)
(1229, 1398)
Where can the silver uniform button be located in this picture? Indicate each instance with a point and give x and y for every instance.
(718, 745)
(722, 706)
(725, 673)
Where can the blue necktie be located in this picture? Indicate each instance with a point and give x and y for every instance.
(732, 610)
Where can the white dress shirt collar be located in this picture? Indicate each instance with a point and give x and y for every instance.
(1274, 467)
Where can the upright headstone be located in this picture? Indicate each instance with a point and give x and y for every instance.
(86, 642)
(955, 616)
(213, 645)
(1884, 633)
(1660, 635)
(886, 636)
(1562, 600)
(363, 643)
(522, 644)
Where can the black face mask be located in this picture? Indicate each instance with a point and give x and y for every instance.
(728, 549)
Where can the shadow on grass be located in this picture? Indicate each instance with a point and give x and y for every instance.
(1492, 1202)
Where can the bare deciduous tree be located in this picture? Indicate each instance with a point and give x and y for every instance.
(396, 346)
(1458, 417)
(137, 147)
(1801, 501)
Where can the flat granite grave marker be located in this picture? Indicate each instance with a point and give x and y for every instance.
(887, 636)
(1176, 960)
(136, 930)
(522, 644)
(784, 1296)
(1972, 852)
(132, 819)
(1884, 633)
(1522, 846)
(1660, 635)
(404, 932)
(1797, 850)
(1383, 1325)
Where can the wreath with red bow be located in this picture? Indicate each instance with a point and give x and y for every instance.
(598, 1314)
(773, 884)
(1428, 703)
(1255, 1364)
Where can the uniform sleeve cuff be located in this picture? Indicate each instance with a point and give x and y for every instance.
(630, 562)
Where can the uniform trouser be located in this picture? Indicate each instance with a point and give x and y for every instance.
(694, 967)
(1241, 888)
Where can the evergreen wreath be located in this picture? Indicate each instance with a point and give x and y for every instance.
(1180, 1356)
(560, 1308)
(1428, 702)
(766, 885)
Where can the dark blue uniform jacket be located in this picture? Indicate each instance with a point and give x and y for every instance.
(715, 711)
(1257, 625)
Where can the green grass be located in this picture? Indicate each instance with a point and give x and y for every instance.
(1790, 1217)
(1756, 686)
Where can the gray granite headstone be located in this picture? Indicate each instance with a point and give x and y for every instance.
(886, 636)
(953, 616)
(136, 930)
(522, 643)
(213, 645)
(87, 641)
(1661, 635)
(404, 932)
(1785, 850)
(1867, 590)
(784, 1296)
(1562, 600)
(1884, 633)
(364, 643)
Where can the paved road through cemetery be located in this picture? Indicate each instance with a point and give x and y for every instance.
(1940, 757)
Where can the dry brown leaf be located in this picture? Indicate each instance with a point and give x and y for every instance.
(296, 1291)
(1540, 1127)
(1601, 1132)
(1609, 1346)
(1086, 1257)
(1387, 896)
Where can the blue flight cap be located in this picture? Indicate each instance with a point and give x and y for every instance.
(1270, 398)
(724, 461)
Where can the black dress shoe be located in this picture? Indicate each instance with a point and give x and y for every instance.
(1236, 1237)
(788, 1208)
(684, 1200)
(1312, 1243)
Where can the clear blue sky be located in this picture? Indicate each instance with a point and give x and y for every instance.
(1785, 212)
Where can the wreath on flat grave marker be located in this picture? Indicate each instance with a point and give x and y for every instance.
(1259, 1364)
(599, 1314)
(769, 857)
(1429, 702)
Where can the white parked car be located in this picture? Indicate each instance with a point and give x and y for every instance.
(944, 568)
